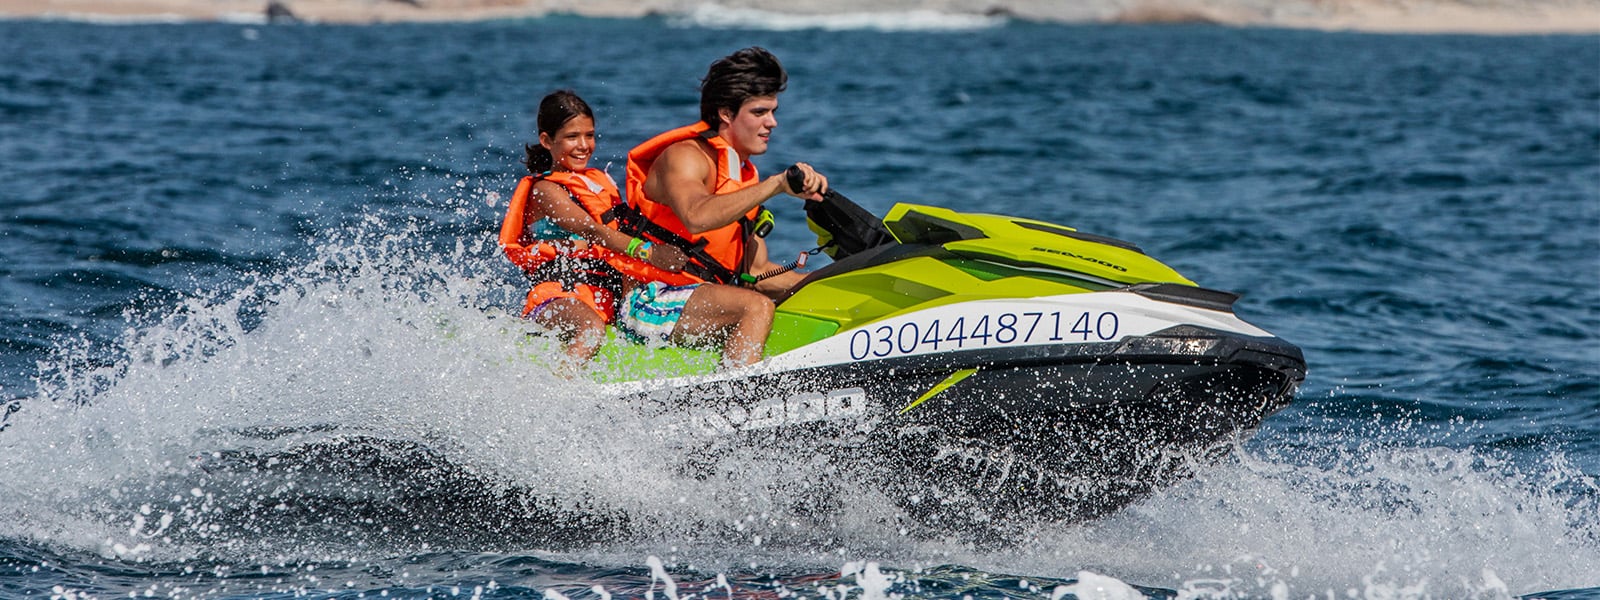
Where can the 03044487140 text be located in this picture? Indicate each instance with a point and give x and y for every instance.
(980, 331)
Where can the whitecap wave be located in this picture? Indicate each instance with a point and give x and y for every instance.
(234, 18)
(380, 383)
(1376, 521)
(114, 19)
(715, 16)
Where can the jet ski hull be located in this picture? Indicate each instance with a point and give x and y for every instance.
(1001, 437)
(985, 372)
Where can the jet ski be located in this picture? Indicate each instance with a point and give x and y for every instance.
(983, 369)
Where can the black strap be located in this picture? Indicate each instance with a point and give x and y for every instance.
(570, 272)
(701, 264)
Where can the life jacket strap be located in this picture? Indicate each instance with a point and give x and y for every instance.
(701, 264)
(570, 272)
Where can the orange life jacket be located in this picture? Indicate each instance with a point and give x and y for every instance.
(726, 244)
(597, 195)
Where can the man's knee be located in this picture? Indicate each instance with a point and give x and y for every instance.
(761, 306)
(752, 304)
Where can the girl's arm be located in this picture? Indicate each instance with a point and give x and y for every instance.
(559, 207)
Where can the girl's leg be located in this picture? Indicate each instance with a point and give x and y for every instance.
(577, 324)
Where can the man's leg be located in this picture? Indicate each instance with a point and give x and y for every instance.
(740, 318)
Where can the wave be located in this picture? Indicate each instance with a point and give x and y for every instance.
(712, 16)
(367, 405)
(1385, 519)
(376, 385)
(92, 18)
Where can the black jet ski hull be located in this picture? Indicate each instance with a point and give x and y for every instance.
(1010, 435)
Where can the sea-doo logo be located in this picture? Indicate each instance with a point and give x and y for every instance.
(782, 410)
(1082, 257)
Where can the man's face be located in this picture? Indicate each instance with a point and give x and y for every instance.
(748, 130)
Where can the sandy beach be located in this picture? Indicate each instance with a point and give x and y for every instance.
(1414, 16)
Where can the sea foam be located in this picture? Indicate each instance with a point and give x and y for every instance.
(721, 17)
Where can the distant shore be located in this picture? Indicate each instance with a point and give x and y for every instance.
(1389, 16)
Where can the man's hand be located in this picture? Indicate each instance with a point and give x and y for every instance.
(802, 181)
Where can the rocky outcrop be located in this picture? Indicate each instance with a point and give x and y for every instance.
(1474, 16)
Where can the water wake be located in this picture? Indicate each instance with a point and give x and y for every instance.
(1374, 521)
(374, 403)
(371, 402)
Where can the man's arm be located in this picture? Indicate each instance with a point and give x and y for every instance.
(759, 263)
(681, 177)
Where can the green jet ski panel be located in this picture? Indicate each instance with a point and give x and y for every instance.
(792, 330)
(621, 359)
(994, 257)
(985, 257)
(1029, 243)
(866, 295)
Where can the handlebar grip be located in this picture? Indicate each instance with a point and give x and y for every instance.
(795, 177)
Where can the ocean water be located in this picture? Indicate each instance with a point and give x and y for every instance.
(220, 236)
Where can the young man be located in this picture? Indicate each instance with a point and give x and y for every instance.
(697, 182)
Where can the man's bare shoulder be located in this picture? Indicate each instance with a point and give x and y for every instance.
(680, 174)
(691, 154)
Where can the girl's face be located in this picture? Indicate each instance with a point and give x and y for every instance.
(572, 145)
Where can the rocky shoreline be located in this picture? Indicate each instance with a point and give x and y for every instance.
(1413, 16)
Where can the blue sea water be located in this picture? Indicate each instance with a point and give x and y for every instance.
(209, 228)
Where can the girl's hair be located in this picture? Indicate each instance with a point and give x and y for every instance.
(555, 110)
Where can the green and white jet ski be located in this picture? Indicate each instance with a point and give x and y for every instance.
(986, 368)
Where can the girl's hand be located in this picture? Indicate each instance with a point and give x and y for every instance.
(667, 257)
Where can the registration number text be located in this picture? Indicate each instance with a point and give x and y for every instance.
(982, 331)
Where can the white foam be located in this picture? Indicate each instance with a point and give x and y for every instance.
(874, 584)
(243, 18)
(233, 17)
(715, 16)
(377, 336)
(1372, 522)
(114, 19)
(1093, 586)
(658, 573)
(366, 350)
(372, 337)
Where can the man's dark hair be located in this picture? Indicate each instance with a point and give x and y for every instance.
(738, 77)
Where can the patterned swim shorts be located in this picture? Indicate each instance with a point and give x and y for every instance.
(650, 312)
